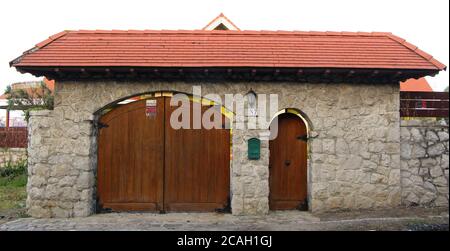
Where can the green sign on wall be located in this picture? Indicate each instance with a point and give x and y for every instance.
(254, 148)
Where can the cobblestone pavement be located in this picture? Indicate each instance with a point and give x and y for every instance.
(398, 219)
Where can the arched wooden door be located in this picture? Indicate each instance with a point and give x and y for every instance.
(288, 164)
(146, 165)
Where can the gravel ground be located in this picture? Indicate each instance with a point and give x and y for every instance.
(400, 219)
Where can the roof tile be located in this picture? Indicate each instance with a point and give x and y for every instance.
(197, 48)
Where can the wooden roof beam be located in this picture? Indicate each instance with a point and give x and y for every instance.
(374, 73)
(398, 74)
(132, 73)
(350, 73)
(84, 73)
(58, 72)
(108, 73)
(276, 72)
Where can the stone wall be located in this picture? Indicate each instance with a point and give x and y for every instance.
(250, 178)
(60, 176)
(424, 162)
(13, 155)
(353, 160)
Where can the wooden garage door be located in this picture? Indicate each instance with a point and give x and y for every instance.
(197, 170)
(131, 158)
(146, 165)
(287, 162)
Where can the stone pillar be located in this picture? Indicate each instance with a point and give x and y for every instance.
(38, 168)
(61, 176)
(249, 178)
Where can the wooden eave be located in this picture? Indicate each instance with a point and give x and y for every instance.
(301, 75)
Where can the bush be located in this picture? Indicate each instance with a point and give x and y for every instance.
(13, 169)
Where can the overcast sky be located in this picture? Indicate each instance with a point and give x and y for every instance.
(23, 24)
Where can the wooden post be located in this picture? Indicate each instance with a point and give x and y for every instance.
(7, 118)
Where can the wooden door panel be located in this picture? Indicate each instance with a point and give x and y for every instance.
(284, 204)
(288, 164)
(196, 167)
(132, 206)
(130, 158)
(146, 165)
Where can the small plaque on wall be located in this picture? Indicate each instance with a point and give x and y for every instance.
(254, 148)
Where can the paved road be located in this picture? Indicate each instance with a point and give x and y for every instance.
(398, 219)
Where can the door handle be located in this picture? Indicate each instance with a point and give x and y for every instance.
(287, 162)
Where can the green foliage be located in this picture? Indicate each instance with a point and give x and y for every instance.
(36, 99)
(12, 196)
(18, 181)
(13, 181)
(12, 170)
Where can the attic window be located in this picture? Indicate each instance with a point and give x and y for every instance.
(221, 26)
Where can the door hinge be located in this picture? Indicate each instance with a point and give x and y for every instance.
(303, 205)
(100, 209)
(303, 137)
(226, 209)
(101, 125)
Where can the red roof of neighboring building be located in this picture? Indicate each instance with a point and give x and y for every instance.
(415, 85)
(31, 87)
(227, 49)
(50, 84)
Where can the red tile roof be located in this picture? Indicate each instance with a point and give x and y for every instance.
(415, 85)
(227, 49)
